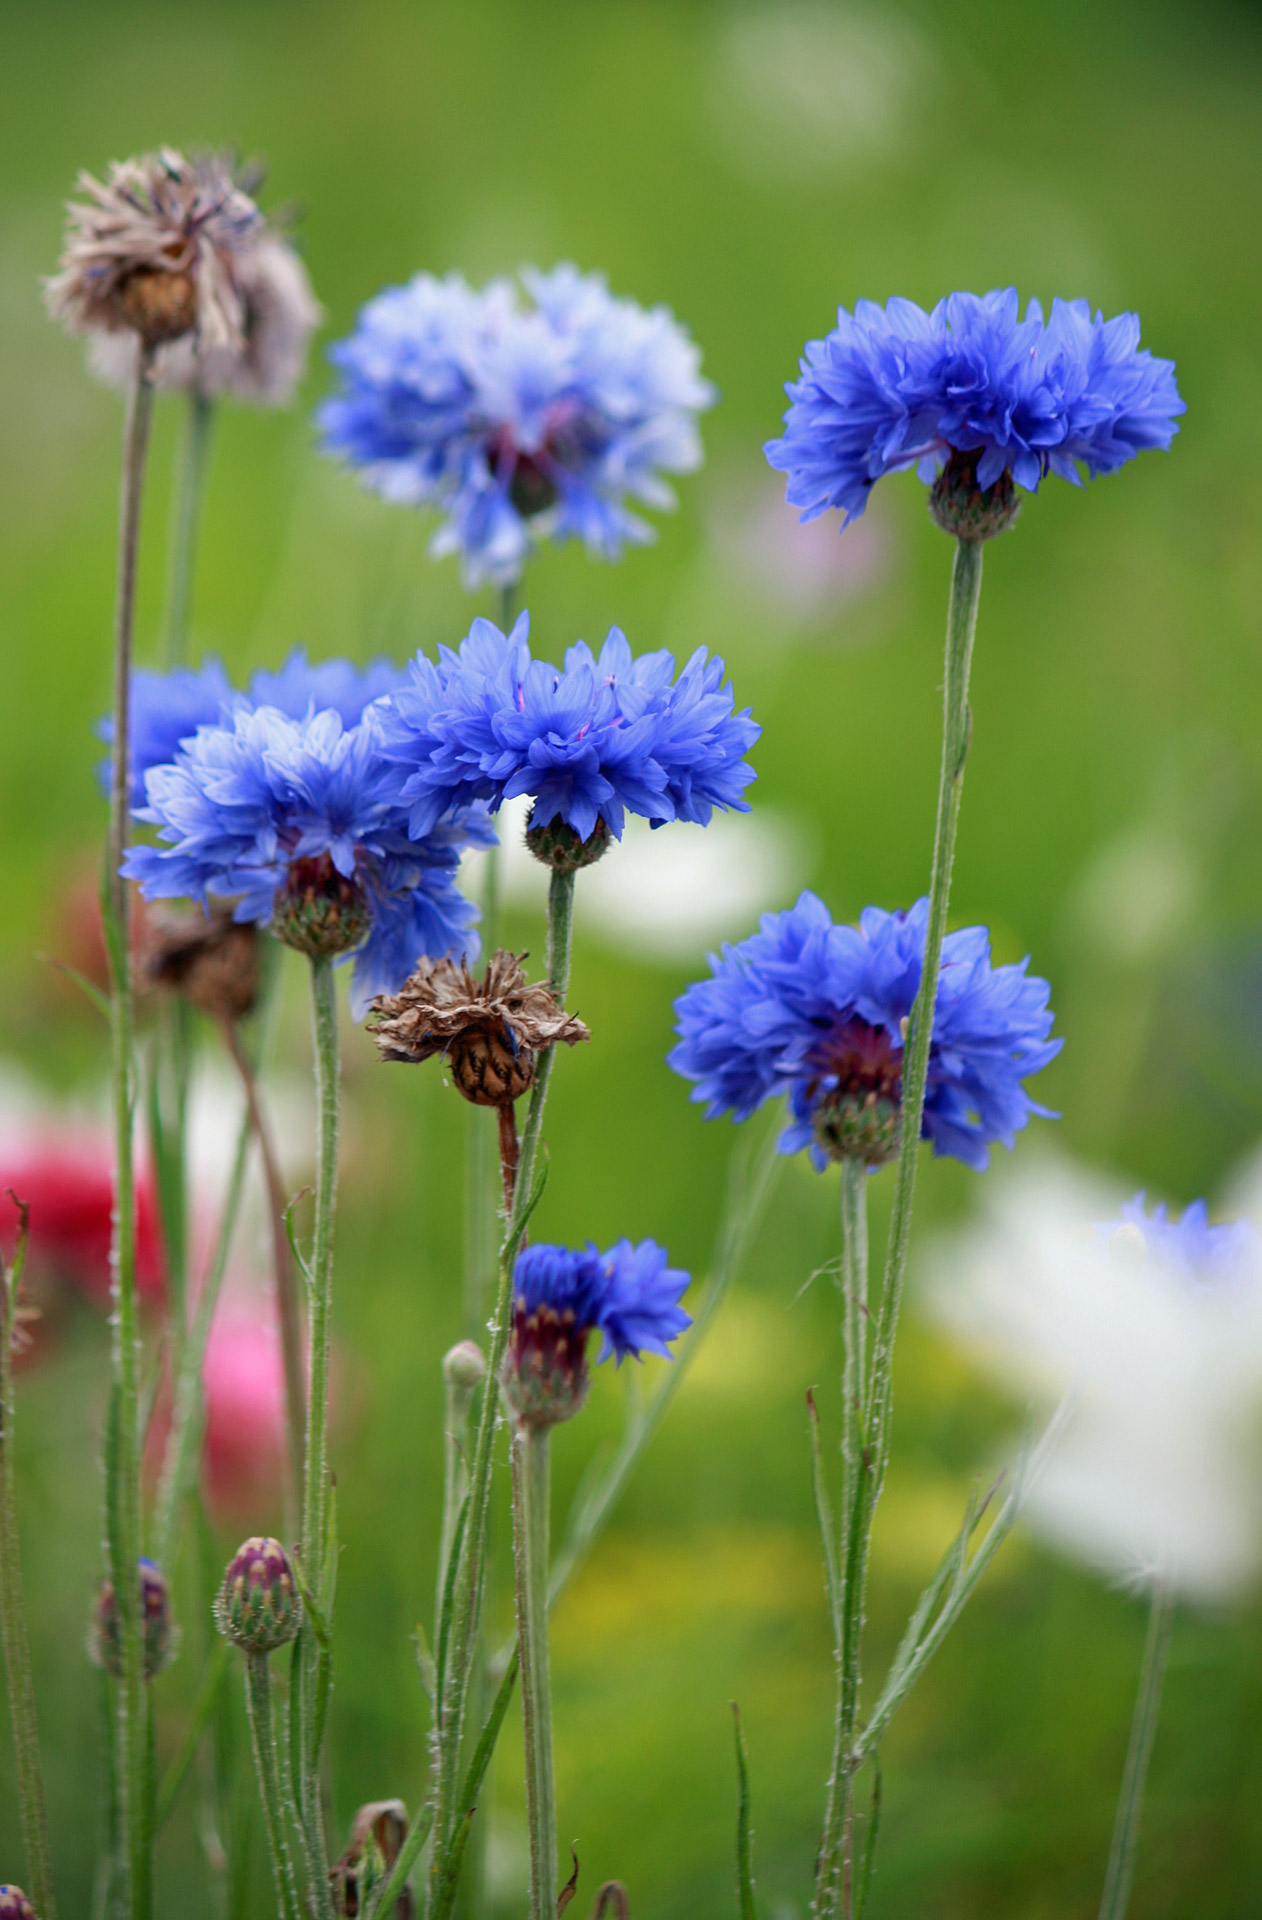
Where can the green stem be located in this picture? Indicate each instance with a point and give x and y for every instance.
(833, 1875)
(315, 1497)
(258, 1699)
(467, 1598)
(13, 1636)
(532, 1500)
(966, 582)
(1121, 1868)
(124, 1497)
(188, 510)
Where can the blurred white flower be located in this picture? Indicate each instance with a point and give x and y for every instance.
(662, 896)
(1158, 1470)
(1138, 894)
(802, 569)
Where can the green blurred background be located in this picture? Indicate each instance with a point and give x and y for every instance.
(751, 167)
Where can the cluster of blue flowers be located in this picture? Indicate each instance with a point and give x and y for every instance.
(518, 422)
(630, 1296)
(605, 735)
(810, 1009)
(893, 387)
(256, 786)
(1193, 1244)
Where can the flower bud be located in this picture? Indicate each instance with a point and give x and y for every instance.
(319, 911)
(210, 960)
(545, 1377)
(960, 507)
(464, 1366)
(159, 1638)
(559, 847)
(258, 1607)
(14, 1904)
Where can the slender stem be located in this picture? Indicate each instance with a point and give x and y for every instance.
(287, 1309)
(315, 1501)
(467, 1599)
(510, 1151)
(532, 1499)
(832, 1892)
(258, 1700)
(459, 1398)
(188, 510)
(1121, 1868)
(13, 1636)
(966, 582)
(124, 1498)
(179, 1465)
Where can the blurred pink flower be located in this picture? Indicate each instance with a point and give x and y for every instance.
(245, 1404)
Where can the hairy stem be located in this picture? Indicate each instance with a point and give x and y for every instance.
(466, 1610)
(258, 1699)
(188, 512)
(532, 1498)
(287, 1309)
(1121, 1867)
(13, 1636)
(123, 1497)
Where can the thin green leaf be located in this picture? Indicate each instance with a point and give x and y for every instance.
(449, 1880)
(312, 1609)
(425, 1662)
(471, 1786)
(203, 1707)
(292, 1235)
(744, 1843)
(449, 1594)
(827, 1531)
(89, 988)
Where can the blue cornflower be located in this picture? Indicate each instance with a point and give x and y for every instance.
(561, 1295)
(168, 708)
(605, 735)
(893, 387)
(1191, 1243)
(518, 422)
(292, 819)
(818, 1011)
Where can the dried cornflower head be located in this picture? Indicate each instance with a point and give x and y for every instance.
(209, 959)
(377, 1834)
(156, 250)
(280, 315)
(489, 1030)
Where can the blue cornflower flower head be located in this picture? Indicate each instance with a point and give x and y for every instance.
(292, 819)
(605, 735)
(976, 398)
(302, 685)
(819, 1012)
(1193, 1245)
(166, 708)
(562, 1295)
(518, 421)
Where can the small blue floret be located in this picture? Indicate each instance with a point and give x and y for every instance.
(629, 1295)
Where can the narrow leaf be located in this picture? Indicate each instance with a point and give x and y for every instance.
(744, 1843)
(827, 1531)
(570, 1888)
(869, 1842)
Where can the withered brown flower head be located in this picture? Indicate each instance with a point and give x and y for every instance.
(377, 1834)
(281, 314)
(490, 1030)
(156, 250)
(208, 959)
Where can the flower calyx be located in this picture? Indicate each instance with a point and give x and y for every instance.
(258, 1606)
(857, 1113)
(319, 911)
(558, 846)
(211, 960)
(545, 1377)
(969, 512)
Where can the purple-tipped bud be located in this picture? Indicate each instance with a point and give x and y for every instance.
(14, 1904)
(159, 1638)
(258, 1606)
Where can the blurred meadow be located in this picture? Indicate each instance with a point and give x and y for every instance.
(752, 167)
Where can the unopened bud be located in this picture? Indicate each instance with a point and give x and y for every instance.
(158, 1635)
(208, 959)
(545, 1377)
(464, 1366)
(258, 1606)
(559, 847)
(319, 911)
(377, 1834)
(14, 1904)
